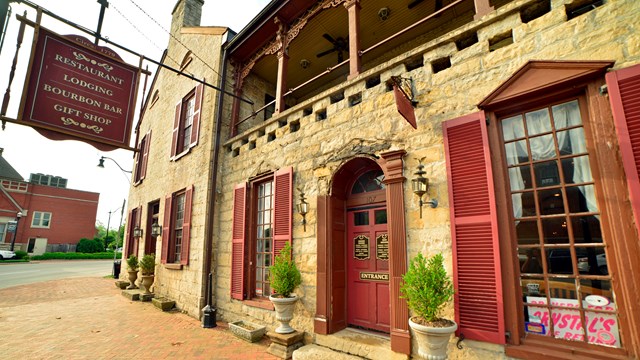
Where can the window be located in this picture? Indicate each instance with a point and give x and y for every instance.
(142, 158)
(556, 220)
(186, 123)
(176, 228)
(41, 219)
(265, 205)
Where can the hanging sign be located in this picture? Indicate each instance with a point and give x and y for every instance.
(75, 89)
(361, 247)
(382, 247)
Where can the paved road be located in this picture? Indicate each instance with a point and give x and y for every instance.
(12, 274)
(88, 318)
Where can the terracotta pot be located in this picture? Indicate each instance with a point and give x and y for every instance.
(147, 281)
(284, 312)
(133, 276)
(432, 341)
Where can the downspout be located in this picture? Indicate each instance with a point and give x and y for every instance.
(209, 311)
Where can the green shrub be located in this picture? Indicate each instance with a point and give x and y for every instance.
(284, 276)
(132, 263)
(21, 254)
(426, 286)
(90, 246)
(148, 264)
(72, 256)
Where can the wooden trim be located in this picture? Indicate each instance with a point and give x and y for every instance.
(392, 165)
(482, 8)
(353, 7)
(320, 323)
(172, 266)
(262, 304)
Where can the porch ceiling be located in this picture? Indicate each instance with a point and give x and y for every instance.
(333, 23)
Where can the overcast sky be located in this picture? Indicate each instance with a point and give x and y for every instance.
(29, 152)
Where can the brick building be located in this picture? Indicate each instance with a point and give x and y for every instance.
(524, 126)
(54, 218)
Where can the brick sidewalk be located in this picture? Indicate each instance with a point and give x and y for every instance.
(88, 318)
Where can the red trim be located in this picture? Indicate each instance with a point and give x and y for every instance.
(479, 304)
(624, 95)
(237, 242)
(145, 156)
(176, 129)
(186, 227)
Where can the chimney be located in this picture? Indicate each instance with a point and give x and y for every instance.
(186, 13)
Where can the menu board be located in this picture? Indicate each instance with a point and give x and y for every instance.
(382, 247)
(361, 247)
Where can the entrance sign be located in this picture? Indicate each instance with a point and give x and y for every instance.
(361, 247)
(374, 276)
(382, 247)
(79, 89)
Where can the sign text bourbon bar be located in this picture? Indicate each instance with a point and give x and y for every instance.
(81, 90)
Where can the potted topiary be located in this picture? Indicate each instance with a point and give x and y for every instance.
(147, 270)
(284, 277)
(132, 269)
(427, 288)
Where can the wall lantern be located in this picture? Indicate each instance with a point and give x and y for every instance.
(137, 232)
(303, 208)
(420, 185)
(156, 230)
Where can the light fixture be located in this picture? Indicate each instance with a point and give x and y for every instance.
(420, 185)
(19, 214)
(303, 208)
(101, 164)
(304, 63)
(384, 13)
(156, 230)
(137, 232)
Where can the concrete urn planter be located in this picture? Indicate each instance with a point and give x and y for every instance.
(147, 281)
(432, 341)
(133, 276)
(284, 312)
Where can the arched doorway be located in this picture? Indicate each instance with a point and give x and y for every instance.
(367, 252)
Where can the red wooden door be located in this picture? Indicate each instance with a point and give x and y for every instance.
(368, 268)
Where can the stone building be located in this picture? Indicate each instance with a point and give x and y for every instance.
(525, 122)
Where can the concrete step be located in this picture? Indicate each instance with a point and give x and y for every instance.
(360, 343)
(316, 352)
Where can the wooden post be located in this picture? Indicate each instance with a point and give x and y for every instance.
(353, 6)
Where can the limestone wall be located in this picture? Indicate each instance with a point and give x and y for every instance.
(318, 148)
(165, 176)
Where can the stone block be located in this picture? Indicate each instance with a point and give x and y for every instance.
(133, 295)
(163, 303)
(146, 297)
(121, 284)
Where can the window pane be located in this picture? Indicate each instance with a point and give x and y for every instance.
(361, 218)
(546, 173)
(599, 288)
(267, 244)
(532, 286)
(586, 229)
(551, 202)
(581, 199)
(381, 216)
(559, 261)
(562, 289)
(567, 323)
(520, 178)
(576, 170)
(523, 204)
(592, 261)
(566, 115)
(527, 232)
(555, 231)
(536, 318)
(542, 147)
(516, 152)
(538, 122)
(572, 142)
(512, 128)
(530, 262)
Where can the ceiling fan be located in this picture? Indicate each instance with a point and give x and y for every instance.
(340, 44)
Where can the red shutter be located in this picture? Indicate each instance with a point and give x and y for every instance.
(282, 208)
(186, 227)
(176, 130)
(476, 258)
(624, 94)
(145, 155)
(166, 230)
(195, 127)
(137, 162)
(129, 236)
(138, 222)
(237, 242)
